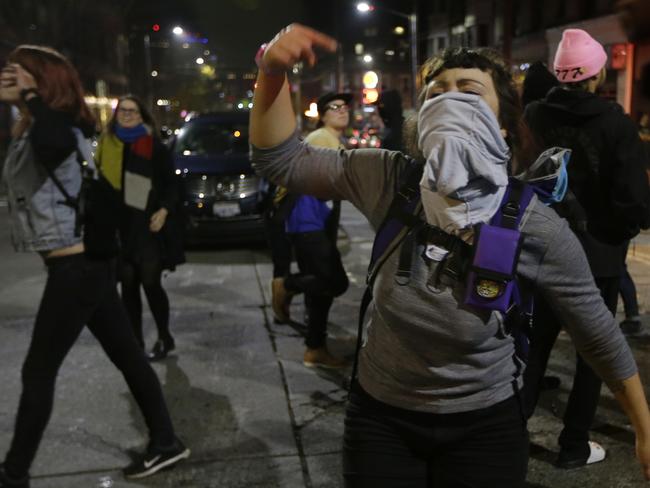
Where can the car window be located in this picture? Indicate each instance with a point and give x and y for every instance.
(211, 139)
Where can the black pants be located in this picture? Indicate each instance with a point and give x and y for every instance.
(80, 292)
(389, 447)
(628, 292)
(148, 274)
(321, 278)
(279, 244)
(585, 392)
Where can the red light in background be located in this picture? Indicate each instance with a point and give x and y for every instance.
(619, 56)
(155, 27)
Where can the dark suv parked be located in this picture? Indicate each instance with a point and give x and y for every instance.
(222, 195)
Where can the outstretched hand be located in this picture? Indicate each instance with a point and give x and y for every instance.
(293, 44)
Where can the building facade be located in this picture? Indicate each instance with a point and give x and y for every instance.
(526, 31)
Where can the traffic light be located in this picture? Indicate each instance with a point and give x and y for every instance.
(370, 91)
(155, 27)
(370, 95)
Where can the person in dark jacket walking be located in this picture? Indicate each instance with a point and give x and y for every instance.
(139, 167)
(312, 227)
(605, 206)
(537, 83)
(42, 166)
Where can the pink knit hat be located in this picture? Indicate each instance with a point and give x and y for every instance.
(579, 56)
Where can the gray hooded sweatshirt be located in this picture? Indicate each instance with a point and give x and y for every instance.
(427, 351)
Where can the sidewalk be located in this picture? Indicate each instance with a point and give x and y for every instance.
(253, 415)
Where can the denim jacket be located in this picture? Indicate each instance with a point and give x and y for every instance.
(39, 218)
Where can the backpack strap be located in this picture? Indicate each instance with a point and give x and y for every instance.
(88, 171)
(400, 218)
(68, 199)
(519, 318)
(402, 214)
(513, 205)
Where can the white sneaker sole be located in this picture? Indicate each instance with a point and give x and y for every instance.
(309, 364)
(154, 469)
(597, 453)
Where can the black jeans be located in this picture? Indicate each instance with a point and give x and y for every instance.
(585, 392)
(321, 278)
(389, 447)
(148, 274)
(80, 292)
(628, 292)
(279, 244)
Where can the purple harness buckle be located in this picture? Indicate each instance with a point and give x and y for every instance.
(490, 281)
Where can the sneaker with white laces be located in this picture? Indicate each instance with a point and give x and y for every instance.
(7, 482)
(156, 459)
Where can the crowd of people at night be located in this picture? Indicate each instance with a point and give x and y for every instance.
(500, 218)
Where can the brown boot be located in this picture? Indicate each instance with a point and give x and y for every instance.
(321, 358)
(280, 300)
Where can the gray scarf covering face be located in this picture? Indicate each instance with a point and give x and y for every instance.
(465, 175)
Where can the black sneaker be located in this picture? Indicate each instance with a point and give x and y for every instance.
(6, 482)
(161, 348)
(631, 326)
(155, 460)
(570, 460)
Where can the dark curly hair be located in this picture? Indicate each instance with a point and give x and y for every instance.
(490, 61)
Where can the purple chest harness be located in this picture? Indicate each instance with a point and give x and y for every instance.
(488, 267)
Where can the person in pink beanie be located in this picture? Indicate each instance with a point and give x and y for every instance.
(605, 207)
(579, 57)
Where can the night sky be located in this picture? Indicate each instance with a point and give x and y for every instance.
(236, 28)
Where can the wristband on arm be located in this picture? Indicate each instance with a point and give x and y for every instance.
(259, 61)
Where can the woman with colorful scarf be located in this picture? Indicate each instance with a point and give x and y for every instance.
(139, 167)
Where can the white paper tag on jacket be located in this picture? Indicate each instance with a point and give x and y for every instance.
(136, 190)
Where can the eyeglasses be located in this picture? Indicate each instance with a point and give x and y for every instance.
(128, 111)
(338, 107)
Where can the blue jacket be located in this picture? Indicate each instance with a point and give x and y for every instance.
(309, 214)
(40, 221)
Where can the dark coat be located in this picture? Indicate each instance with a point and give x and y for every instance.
(538, 82)
(606, 170)
(137, 241)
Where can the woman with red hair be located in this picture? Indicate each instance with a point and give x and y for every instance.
(43, 175)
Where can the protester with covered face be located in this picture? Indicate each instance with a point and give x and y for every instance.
(436, 401)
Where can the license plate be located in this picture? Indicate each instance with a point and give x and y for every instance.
(226, 209)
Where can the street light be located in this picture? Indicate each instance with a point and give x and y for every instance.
(178, 31)
(365, 7)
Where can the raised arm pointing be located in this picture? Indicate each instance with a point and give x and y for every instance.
(272, 116)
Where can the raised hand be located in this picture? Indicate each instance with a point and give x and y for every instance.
(24, 79)
(13, 79)
(293, 44)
